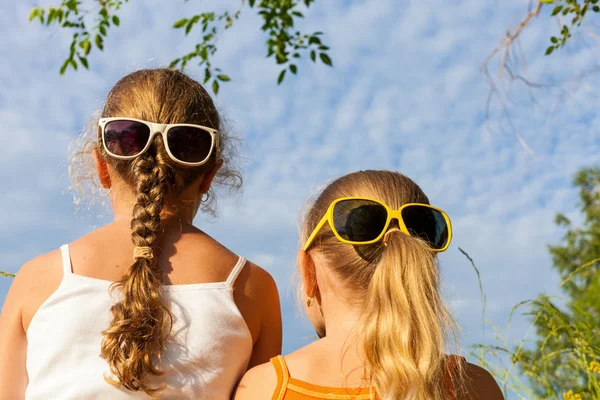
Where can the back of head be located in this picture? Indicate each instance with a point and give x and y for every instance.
(141, 322)
(395, 284)
(165, 96)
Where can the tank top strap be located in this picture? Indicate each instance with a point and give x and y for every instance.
(66, 259)
(235, 272)
(283, 375)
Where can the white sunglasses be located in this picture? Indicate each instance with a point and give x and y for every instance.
(187, 144)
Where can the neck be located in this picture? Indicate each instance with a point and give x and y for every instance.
(341, 319)
(124, 204)
(342, 328)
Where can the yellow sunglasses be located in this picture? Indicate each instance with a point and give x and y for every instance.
(361, 220)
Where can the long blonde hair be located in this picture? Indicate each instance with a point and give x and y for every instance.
(405, 325)
(141, 321)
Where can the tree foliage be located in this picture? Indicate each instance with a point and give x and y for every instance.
(566, 354)
(91, 20)
(574, 11)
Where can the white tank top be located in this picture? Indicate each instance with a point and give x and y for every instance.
(207, 353)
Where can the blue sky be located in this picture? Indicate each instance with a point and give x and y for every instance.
(406, 94)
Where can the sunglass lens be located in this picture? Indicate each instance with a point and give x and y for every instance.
(427, 224)
(190, 144)
(126, 138)
(359, 220)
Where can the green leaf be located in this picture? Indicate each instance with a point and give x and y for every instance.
(596, 9)
(547, 1)
(116, 20)
(189, 27)
(51, 15)
(549, 50)
(207, 75)
(86, 46)
(314, 40)
(180, 23)
(313, 56)
(566, 11)
(251, 3)
(72, 5)
(326, 60)
(174, 63)
(59, 15)
(293, 68)
(63, 69)
(553, 39)
(223, 78)
(102, 30)
(557, 9)
(73, 64)
(99, 43)
(84, 62)
(281, 76)
(215, 86)
(33, 14)
(280, 58)
(298, 14)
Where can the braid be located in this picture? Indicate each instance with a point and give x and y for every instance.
(141, 322)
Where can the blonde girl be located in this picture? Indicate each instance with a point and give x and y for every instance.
(371, 288)
(148, 305)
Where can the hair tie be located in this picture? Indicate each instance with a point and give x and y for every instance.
(143, 252)
(385, 237)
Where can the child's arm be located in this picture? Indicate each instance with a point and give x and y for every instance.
(34, 283)
(268, 344)
(13, 342)
(258, 300)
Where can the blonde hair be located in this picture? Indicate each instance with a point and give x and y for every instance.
(405, 326)
(141, 321)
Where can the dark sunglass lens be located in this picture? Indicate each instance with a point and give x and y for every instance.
(189, 144)
(359, 220)
(427, 224)
(126, 138)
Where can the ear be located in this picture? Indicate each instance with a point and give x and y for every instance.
(102, 170)
(308, 274)
(208, 177)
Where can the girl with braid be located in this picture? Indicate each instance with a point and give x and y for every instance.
(371, 289)
(148, 305)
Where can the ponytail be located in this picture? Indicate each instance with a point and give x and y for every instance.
(141, 322)
(405, 323)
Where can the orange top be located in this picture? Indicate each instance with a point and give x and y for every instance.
(289, 388)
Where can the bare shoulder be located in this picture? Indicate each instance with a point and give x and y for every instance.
(257, 297)
(36, 280)
(258, 383)
(255, 280)
(479, 384)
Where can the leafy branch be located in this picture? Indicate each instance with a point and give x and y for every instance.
(576, 11)
(285, 44)
(70, 16)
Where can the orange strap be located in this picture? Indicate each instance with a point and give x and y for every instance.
(283, 376)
